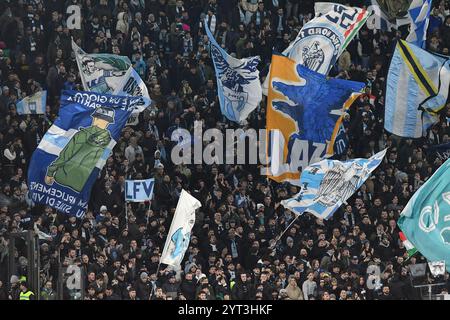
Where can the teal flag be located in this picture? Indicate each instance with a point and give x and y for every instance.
(426, 218)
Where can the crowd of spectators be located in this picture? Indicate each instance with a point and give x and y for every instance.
(235, 251)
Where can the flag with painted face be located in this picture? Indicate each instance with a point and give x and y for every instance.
(34, 104)
(302, 116)
(426, 220)
(101, 72)
(74, 150)
(179, 234)
(417, 89)
(327, 184)
(238, 84)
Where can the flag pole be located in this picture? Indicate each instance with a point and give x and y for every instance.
(281, 235)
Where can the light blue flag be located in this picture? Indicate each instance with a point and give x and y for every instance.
(426, 218)
(326, 185)
(238, 84)
(139, 190)
(419, 12)
(417, 88)
(34, 104)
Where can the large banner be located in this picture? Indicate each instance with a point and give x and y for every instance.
(34, 104)
(327, 184)
(71, 154)
(101, 72)
(238, 84)
(426, 221)
(303, 110)
(180, 230)
(417, 88)
(139, 190)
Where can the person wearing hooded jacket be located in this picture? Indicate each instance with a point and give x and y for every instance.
(242, 289)
(122, 23)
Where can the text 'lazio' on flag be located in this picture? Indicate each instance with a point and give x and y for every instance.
(326, 185)
(303, 110)
(417, 89)
(238, 85)
(426, 218)
(34, 104)
(74, 150)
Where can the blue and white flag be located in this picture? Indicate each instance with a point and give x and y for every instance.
(34, 104)
(387, 14)
(180, 230)
(426, 220)
(238, 84)
(139, 190)
(417, 88)
(74, 150)
(419, 12)
(133, 86)
(326, 185)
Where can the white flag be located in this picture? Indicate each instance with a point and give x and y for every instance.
(180, 230)
(437, 268)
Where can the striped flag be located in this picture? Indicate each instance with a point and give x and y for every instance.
(417, 88)
(34, 104)
(410, 249)
(419, 12)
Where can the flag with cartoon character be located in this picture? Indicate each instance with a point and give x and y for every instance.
(71, 154)
(101, 72)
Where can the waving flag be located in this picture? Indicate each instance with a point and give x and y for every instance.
(238, 84)
(326, 185)
(426, 220)
(419, 11)
(180, 230)
(303, 108)
(139, 190)
(101, 72)
(321, 41)
(71, 154)
(441, 151)
(417, 88)
(34, 104)
(410, 249)
(387, 14)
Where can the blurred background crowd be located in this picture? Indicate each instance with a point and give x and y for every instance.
(234, 251)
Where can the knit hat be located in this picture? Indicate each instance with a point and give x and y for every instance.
(144, 275)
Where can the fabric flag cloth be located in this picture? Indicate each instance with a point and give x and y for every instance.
(410, 249)
(34, 104)
(238, 84)
(417, 88)
(101, 72)
(139, 190)
(419, 12)
(426, 220)
(74, 150)
(321, 41)
(387, 14)
(441, 151)
(437, 268)
(303, 108)
(132, 85)
(180, 230)
(327, 184)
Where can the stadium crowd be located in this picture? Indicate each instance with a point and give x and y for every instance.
(235, 251)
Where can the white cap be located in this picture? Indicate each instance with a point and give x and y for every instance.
(103, 208)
